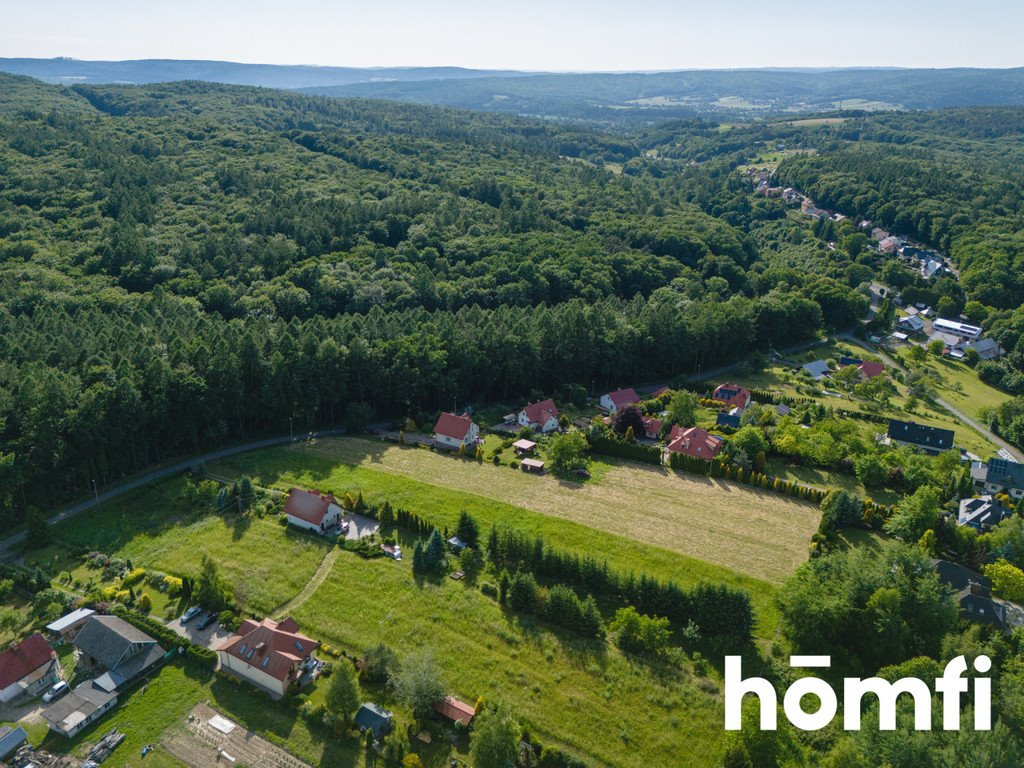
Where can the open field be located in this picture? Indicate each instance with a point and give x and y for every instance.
(752, 532)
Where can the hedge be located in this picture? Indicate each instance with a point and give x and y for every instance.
(648, 454)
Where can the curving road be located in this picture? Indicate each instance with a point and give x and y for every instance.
(168, 471)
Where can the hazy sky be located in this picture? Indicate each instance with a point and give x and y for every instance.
(525, 34)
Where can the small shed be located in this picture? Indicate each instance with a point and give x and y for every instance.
(532, 465)
(524, 447)
(457, 544)
(11, 740)
(370, 717)
(457, 711)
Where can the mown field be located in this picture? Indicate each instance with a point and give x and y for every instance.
(758, 534)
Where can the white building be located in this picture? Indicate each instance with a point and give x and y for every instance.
(620, 398)
(541, 416)
(454, 432)
(965, 331)
(273, 655)
(312, 510)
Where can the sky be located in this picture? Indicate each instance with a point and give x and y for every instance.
(560, 35)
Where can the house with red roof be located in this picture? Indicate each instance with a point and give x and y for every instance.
(732, 395)
(659, 392)
(27, 669)
(457, 711)
(694, 441)
(652, 427)
(453, 431)
(312, 510)
(269, 654)
(541, 416)
(869, 369)
(613, 402)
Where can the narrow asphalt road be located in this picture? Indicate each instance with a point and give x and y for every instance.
(168, 471)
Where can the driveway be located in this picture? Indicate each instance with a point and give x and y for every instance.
(359, 526)
(211, 637)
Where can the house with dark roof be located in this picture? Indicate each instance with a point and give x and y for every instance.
(928, 439)
(375, 719)
(972, 593)
(982, 513)
(733, 395)
(87, 703)
(615, 401)
(818, 369)
(11, 740)
(312, 510)
(730, 420)
(272, 655)
(454, 710)
(27, 669)
(115, 649)
(695, 442)
(454, 432)
(541, 416)
(912, 324)
(1000, 476)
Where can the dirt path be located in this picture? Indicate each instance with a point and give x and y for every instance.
(312, 585)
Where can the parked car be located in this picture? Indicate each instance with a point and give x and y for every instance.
(56, 692)
(190, 614)
(208, 619)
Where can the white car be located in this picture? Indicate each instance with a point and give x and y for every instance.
(56, 692)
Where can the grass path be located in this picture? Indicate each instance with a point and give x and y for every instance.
(318, 578)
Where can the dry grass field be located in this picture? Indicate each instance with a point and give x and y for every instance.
(752, 532)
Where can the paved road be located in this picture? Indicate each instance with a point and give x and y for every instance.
(168, 471)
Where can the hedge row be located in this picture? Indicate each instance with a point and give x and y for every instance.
(165, 635)
(648, 454)
(726, 471)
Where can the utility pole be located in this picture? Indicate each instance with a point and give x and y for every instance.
(96, 491)
(291, 432)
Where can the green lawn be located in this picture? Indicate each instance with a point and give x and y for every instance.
(823, 478)
(267, 563)
(281, 467)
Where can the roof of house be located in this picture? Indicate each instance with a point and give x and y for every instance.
(986, 348)
(957, 576)
(653, 425)
(541, 411)
(623, 397)
(119, 647)
(24, 659)
(370, 717)
(948, 339)
(659, 392)
(728, 420)
(1004, 472)
(817, 368)
(455, 710)
(455, 427)
(782, 409)
(933, 438)
(310, 506)
(72, 709)
(695, 441)
(914, 323)
(729, 393)
(870, 369)
(911, 311)
(70, 619)
(844, 361)
(11, 739)
(955, 326)
(980, 608)
(273, 647)
(982, 512)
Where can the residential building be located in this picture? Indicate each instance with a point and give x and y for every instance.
(652, 427)
(928, 439)
(85, 704)
(312, 510)
(931, 268)
(541, 416)
(694, 441)
(964, 331)
(454, 710)
(271, 655)
(115, 648)
(11, 740)
(67, 626)
(868, 369)
(376, 719)
(730, 420)
(615, 401)
(878, 234)
(1000, 476)
(455, 432)
(27, 669)
(972, 593)
(987, 349)
(890, 244)
(733, 395)
(817, 368)
(982, 513)
(912, 324)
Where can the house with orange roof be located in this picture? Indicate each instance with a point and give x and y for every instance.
(454, 432)
(695, 442)
(312, 510)
(269, 654)
(732, 395)
(541, 416)
(615, 401)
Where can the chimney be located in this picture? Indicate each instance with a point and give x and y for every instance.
(976, 588)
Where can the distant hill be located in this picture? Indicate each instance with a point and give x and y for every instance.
(746, 93)
(65, 71)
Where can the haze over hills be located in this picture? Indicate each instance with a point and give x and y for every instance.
(608, 97)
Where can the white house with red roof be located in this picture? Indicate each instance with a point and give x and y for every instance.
(271, 655)
(453, 431)
(27, 669)
(542, 416)
(312, 510)
(732, 395)
(613, 402)
(652, 427)
(694, 441)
